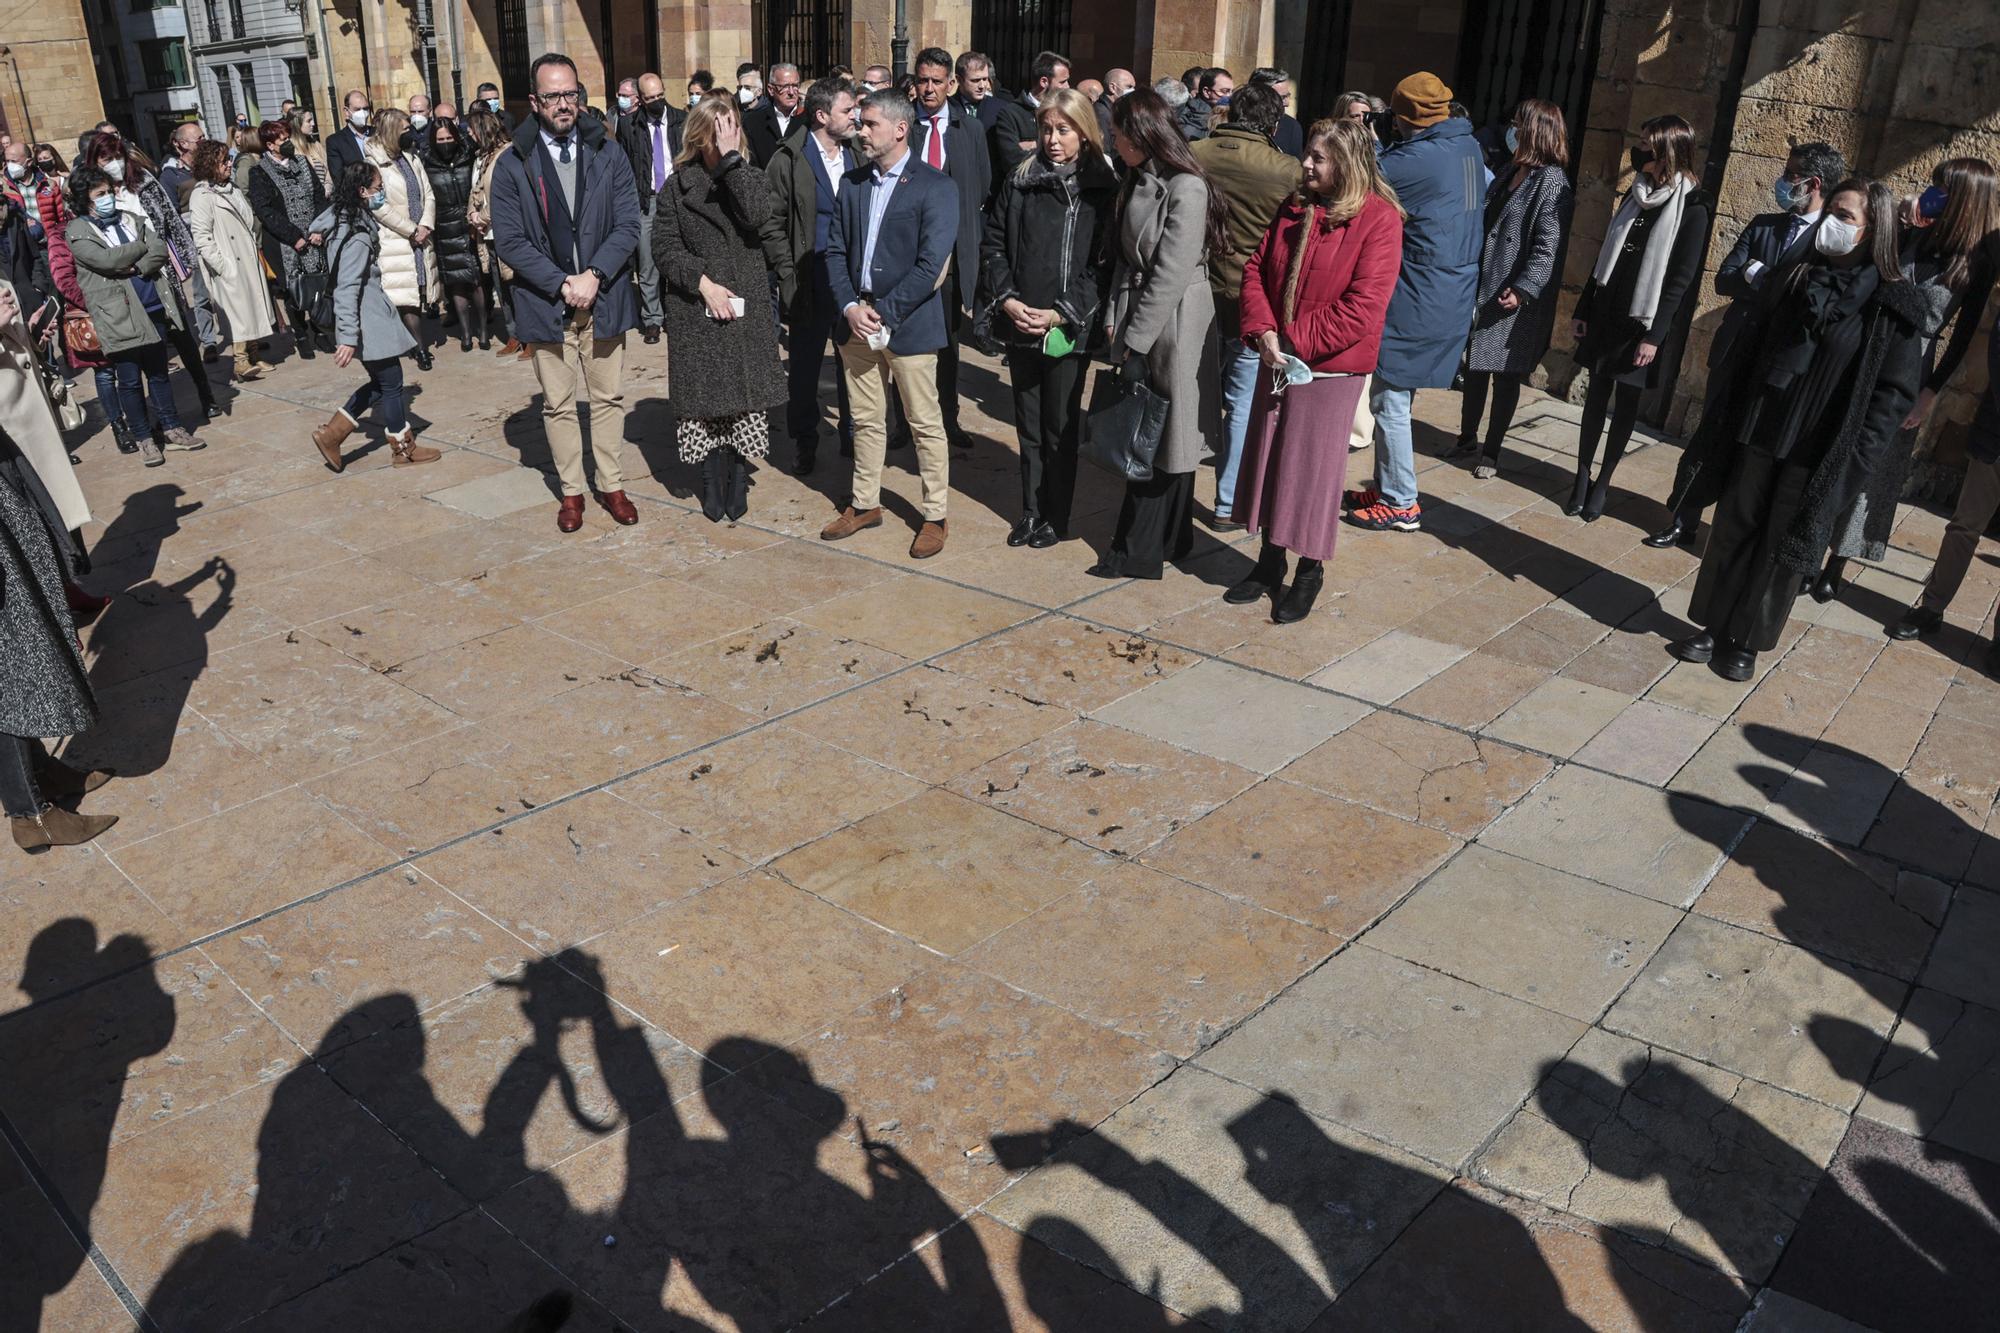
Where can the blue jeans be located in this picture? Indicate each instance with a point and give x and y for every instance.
(150, 362)
(384, 387)
(1240, 364)
(1395, 458)
(107, 394)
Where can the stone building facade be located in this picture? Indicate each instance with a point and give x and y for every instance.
(48, 73)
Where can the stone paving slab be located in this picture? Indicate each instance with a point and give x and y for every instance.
(484, 892)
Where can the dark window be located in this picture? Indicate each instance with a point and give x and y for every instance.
(298, 77)
(236, 16)
(1323, 71)
(164, 63)
(226, 92)
(511, 18)
(1014, 32)
(811, 34)
(1529, 48)
(214, 21)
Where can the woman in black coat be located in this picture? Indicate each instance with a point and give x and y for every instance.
(451, 164)
(1645, 269)
(1043, 268)
(286, 195)
(722, 348)
(1830, 363)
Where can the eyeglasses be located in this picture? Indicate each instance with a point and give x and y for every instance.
(560, 96)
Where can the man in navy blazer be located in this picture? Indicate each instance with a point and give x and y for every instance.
(960, 152)
(1810, 173)
(887, 261)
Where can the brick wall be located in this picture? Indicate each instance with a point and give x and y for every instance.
(48, 81)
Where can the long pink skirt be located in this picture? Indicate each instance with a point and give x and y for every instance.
(1295, 462)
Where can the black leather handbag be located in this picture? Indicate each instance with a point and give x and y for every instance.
(1126, 420)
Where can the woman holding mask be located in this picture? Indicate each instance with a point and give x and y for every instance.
(1315, 296)
(1951, 257)
(1043, 265)
(1830, 364)
(1646, 267)
(722, 349)
(1168, 222)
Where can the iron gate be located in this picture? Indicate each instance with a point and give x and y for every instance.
(1511, 49)
(1014, 32)
(811, 34)
(510, 19)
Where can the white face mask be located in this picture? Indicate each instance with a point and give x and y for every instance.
(418, 120)
(115, 168)
(17, 171)
(493, 105)
(1836, 236)
(746, 95)
(358, 119)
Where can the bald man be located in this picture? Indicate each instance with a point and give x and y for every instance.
(651, 138)
(1092, 89)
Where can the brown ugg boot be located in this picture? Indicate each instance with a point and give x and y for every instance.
(408, 452)
(331, 436)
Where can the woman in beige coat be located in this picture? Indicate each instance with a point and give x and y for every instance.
(225, 236)
(409, 264)
(489, 138)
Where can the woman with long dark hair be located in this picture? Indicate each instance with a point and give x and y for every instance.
(1168, 222)
(1315, 296)
(1829, 365)
(1645, 268)
(367, 326)
(142, 199)
(452, 166)
(1043, 264)
(1520, 277)
(1950, 254)
(285, 194)
(489, 140)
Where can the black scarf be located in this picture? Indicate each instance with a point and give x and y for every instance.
(1817, 302)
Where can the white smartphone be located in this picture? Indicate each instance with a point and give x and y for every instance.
(737, 306)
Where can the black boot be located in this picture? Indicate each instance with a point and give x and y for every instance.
(737, 501)
(1579, 493)
(1267, 577)
(1297, 603)
(805, 455)
(712, 484)
(1678, 532)
(1593, 504)
(1827, 586)
(121, 435)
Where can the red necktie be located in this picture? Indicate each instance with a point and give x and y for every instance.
(934, 146)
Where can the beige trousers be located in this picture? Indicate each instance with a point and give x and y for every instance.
(598, 364)
(1977, 501)
(1362, 434)
(868, 374)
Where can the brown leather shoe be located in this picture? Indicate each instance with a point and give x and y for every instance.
(851, 521)
(527, 353)
(57, 827)
(511, 348)
(616, 505)
(930, 540)
(328, 439)
(570, 516)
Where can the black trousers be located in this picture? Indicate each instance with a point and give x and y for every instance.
(805, 352)
(947, 359)
(1742, 593)
(19, 797)
(190, 355)
(1048, 418)
(1155, 525)
(1506, 399)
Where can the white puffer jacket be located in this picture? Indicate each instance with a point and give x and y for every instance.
(399, 220)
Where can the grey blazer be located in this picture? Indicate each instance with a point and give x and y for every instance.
(1162, 309)
(1526, 232)
(363, 316)
(105, 273)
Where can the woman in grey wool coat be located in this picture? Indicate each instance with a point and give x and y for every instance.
(1527, 225)
(1162, 311)
(722, 351)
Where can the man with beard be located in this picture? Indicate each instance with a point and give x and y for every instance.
(651, 138)
(806, 172)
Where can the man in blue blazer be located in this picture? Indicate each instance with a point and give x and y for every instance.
(1812, 170)
(945, 139)
(886, 262)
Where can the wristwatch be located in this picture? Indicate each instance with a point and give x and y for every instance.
(598, 273)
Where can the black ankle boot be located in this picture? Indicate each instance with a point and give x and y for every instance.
(121, 435)
(1266, 577)
(712, 485)
(1297, 603)
(1827, 586)
(1579, 493)
(736, 502)
(1593, 505)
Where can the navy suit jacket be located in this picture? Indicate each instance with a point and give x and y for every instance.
(1762, 239)
(918, 230)
(965, 161)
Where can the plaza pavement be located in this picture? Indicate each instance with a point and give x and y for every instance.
(742, 931)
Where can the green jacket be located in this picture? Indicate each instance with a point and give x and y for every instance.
(105, 273)
(1254, 178)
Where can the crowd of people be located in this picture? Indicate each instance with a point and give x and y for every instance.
(1281, 291)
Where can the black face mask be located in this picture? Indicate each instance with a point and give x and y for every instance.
(288, 150)
(1642, 158)
(47, 168)
(446, 148)
(654, 109)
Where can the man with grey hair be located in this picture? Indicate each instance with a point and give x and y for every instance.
(886, 266)
(771, 124)
(1173, 92)
(1290, 137)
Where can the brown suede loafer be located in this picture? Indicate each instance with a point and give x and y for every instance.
(930, 540)
(851, 521)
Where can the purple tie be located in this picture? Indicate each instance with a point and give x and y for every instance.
(659, 156)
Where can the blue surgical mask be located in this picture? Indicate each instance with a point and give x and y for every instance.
(379, 199)
(1513, 140)
(1791, 196)
(104, 206)
(493, 105)
(626, 104)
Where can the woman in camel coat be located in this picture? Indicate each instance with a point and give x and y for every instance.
(408, 260)
(225, 236)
